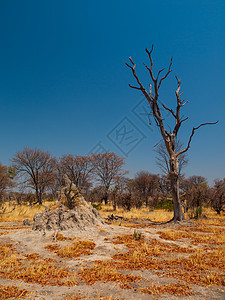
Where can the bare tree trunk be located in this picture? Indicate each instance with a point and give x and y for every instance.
(177, 207)
(114, 205)
(39, 197)
(106, 198)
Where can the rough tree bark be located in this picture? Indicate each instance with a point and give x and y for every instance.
(168, 136)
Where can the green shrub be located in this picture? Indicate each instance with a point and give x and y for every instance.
(165, 204)
(137, 235)
(97, 206)
(196, 214)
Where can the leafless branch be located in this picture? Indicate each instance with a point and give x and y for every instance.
(150, 58)
(184, 120)
(179, 105)
(169, 71)
(159, 73)
(183, 103)
(157, 144)
(170, 110)
(141, 87)
(192, 133)
(134, 87)
(150, 90)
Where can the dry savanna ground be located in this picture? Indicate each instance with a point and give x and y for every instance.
(128, 259)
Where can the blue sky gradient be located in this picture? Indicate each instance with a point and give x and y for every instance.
(64, 84)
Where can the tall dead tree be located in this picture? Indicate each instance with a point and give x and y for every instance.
(163, 158)
(168, 135)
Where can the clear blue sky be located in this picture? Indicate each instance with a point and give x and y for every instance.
(64, 85)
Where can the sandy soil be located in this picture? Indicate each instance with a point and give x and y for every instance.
(27, 241)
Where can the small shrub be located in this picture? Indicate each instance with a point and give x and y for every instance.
(196, 214)
(97, 206)
(137, 235)
(165, 204)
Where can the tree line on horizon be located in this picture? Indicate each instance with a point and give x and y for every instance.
(36, 176)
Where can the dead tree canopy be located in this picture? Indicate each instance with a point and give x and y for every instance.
(168, 135)
(163, 158)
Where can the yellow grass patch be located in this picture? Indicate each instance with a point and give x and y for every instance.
(21, 212)
(7, 292)
(32, 270)
(143, 213)
(72, 250)
(173, 235)
(128, 240)
(176, 289)
(210, 236)
(105, 271)
(197, 266)
(61, 237)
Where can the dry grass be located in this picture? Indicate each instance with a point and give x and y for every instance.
(33, 269)
(128, 240)
(61, 237)
(7, 292)
(161, 215)
(203, 265)
(196, 266)
(105, 271)
(22, 212)
(176, 289)
(72, 250)
(201, 235)
(143, 213)
(106, 298)
(77, 249)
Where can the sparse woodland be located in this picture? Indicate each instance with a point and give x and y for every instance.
(35, 177)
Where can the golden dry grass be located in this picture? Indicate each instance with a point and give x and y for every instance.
(32, 270)
(105, 271)
(21, 212)
(177, 289)
(106, 298)
(77, 249)
(7, 292)
(61, 237)
(199, 235)
(203, 266)
(143, 213)
(72, 250)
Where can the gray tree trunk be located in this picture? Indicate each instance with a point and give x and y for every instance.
(177, 207)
